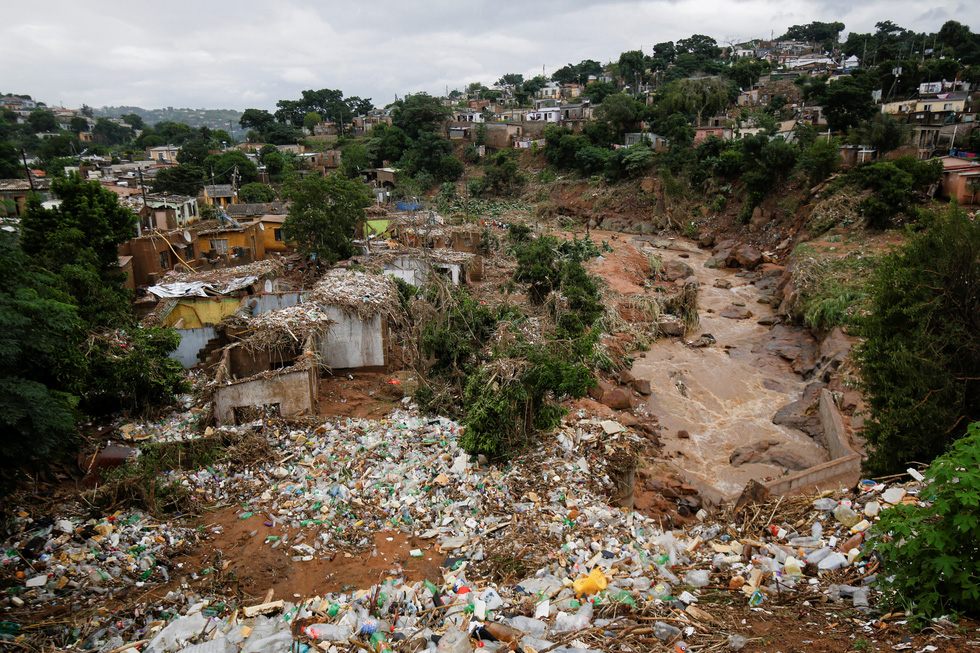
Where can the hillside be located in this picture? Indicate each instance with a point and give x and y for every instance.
(226, 119)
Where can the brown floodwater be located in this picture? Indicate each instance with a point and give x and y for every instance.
(723, 402)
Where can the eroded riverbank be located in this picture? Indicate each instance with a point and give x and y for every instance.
(715, 404)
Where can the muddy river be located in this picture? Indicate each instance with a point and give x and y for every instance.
(723, 396)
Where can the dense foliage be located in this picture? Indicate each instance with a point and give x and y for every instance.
(930, 549)
(323, 215)
(71, 345)
(921, 352)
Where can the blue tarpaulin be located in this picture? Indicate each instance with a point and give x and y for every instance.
(409, 206)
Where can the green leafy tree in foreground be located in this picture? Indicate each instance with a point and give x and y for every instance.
(930, 551)
(323, 215)
(921, 354)
(40, 361)
(78, 241)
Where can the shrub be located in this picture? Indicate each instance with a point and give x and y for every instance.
(930, 551)
(921, 352)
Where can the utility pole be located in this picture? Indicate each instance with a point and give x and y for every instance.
(30, 178)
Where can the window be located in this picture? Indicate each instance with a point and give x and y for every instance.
(188, 252)
(164, 260)
(278, 235)
(947, 107)
(927, 107)
(219, 245)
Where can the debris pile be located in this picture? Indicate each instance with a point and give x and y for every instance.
(540, 557)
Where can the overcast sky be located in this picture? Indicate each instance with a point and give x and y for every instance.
(250, 54)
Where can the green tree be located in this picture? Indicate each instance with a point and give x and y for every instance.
(417, 114)
(107, 132)
(40, 359)
(354, 158)
(823, 33)
(510, 79)
(78, 124)
(620, 111)
(42, 120)
(323, 215)
(881, 132)
(599, 91)
(182, 179)
(311, 120)
(929, 549)
(696, 97)
(134, 120)
(78, 241)
(222, 168)
(921, 352)
(846, 103)
(700, 46)
(820, 160)
(58, 146)
(257, 119)
(256, 193)
(632, 66)
(195, 151)
(10, 164)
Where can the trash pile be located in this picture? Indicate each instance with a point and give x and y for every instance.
(356, 292)
(539, 558)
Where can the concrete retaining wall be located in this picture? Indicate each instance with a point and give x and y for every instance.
(845, 464)
(293, 391)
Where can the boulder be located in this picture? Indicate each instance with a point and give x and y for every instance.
(724, 284)
(670, 325)
(706, 240)
(802, 414)
(751, 453)
(625, 377)
(736, 313)
(642, 386)
(745, 256)
(675, 270)
(617, 399)
(787, 459)
(627, 419)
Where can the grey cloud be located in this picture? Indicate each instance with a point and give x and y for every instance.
(250, 53)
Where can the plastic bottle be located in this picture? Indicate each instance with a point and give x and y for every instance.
(502, 632)
(697, 577)
(853, 542)
(535, 627)
(792, 567)
(818, 555)
(846, 516)
(817, 530)
(454, 641)
(824, 504)
(664, 631)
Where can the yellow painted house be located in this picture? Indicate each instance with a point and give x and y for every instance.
(272, 234)
(242, 244)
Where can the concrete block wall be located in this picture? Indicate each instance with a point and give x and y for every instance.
(845, 463)
(293, 391)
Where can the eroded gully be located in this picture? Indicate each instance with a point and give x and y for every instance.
(711, 401)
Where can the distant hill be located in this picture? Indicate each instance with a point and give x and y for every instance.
(213, 118)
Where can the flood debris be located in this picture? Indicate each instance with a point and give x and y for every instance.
(541, 558)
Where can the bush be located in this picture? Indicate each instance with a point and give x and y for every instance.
(504, 410)
(921, 352)
(930, 551)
